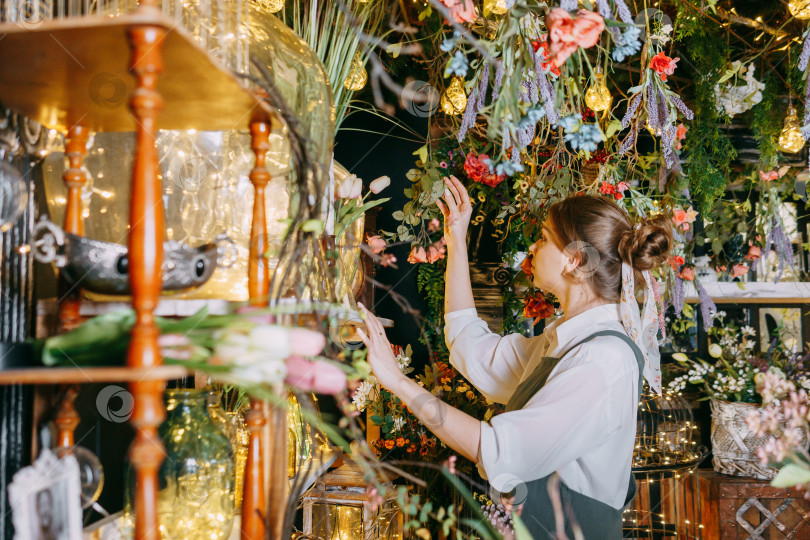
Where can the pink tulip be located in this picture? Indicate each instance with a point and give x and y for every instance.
(259, 318)
(376, 243)
(319, 377)
(306, 342)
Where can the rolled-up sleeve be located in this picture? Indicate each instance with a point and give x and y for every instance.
(494, 364)
(568, 418)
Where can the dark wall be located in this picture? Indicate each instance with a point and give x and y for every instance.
(369, 156)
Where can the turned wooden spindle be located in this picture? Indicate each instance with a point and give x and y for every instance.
(278, 482)
(254, 506)
(145, 258)
(75, 178)
(67, 419)
(258, 265)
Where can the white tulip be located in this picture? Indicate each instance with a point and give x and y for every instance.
(379, 184)
(350, 187)
(272, 340)
(715, 350)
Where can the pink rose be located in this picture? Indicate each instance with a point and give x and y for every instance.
(434, 225)
(386, 259)
(306, 342)
(417, 255)
(687, 273)
(622, 187)
(376, 243)
(738, 270)
(567, 33)
(754, 253)
(461, 11)
(434, 254)
(587, 28)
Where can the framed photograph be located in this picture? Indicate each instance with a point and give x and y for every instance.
(45, 499)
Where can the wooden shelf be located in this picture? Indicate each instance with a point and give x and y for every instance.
(754, 292)
(76, 71)
(75, 375)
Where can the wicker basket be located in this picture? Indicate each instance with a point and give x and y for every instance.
(735, 446)
(590, 174)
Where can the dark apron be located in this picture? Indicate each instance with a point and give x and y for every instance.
(596, 520)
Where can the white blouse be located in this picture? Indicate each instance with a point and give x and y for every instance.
(581, 425)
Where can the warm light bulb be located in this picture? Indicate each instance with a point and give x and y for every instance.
(454, 100)
(598, 96)
(791, 140)
(358, 76)
(799, 8)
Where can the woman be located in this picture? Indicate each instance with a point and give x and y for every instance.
(572, 392)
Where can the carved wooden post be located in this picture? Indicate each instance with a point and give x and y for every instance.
(145, 259)
(278, 483)
(74, 178)
(253, 501)
(258, 267)
(254, 507)
(67, 419)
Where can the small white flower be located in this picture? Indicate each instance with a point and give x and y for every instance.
(379, 184)
(350, 187)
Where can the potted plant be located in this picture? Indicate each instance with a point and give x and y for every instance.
(730, 383)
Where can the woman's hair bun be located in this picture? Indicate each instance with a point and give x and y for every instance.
(647, 244)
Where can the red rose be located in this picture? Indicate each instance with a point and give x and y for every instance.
(479, 171)
(537, 307)
(663, 65)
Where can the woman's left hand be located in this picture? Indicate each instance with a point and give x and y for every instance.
(380, 354)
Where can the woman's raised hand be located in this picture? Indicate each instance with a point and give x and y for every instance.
(457, 210)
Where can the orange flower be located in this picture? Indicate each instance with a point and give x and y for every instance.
(663, 65)
(417, 255)
(389, 444)
(676, 261)
(400, 441)
(567, 33)
(754, 253)
(423, 451)
(526, 265)
(537, 307)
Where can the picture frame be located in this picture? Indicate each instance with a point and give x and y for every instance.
(45, 499)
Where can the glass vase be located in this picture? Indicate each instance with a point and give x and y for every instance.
(197, 477)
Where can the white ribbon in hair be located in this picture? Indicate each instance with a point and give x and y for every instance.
(643, 330)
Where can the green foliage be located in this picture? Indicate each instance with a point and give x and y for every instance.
(430, 281)
(766, 123)
(709, 149)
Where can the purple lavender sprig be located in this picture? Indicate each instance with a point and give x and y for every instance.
(568, 5)
(506, 137)
(652, 108)
(631, 110)
(468, 120)
(496, 87)
(482, 87)
(681, 106)
(805, 54)
(707, 307)
(628, 142)
(624, 12)
(546, 91)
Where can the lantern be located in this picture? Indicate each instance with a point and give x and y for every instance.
(454, 100)
(357, 77)
(338, 507)
(598, 96)
(799, 8)
(791, 140)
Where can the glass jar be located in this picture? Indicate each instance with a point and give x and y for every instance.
(197, 477)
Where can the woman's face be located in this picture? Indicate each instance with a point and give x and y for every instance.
(548, 261)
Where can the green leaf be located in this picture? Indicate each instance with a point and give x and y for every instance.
(312, 225)
(398, 215)
(612, 128)
(377, 419)
(422, 152)
(792, 474)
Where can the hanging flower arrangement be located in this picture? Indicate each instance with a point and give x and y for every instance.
(734, 94)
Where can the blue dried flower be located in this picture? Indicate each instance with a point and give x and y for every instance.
(457, 65)
(450, 43)
(584, 137)
(509, 168)
(571, 123)
(630, 44)
(533, 115)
